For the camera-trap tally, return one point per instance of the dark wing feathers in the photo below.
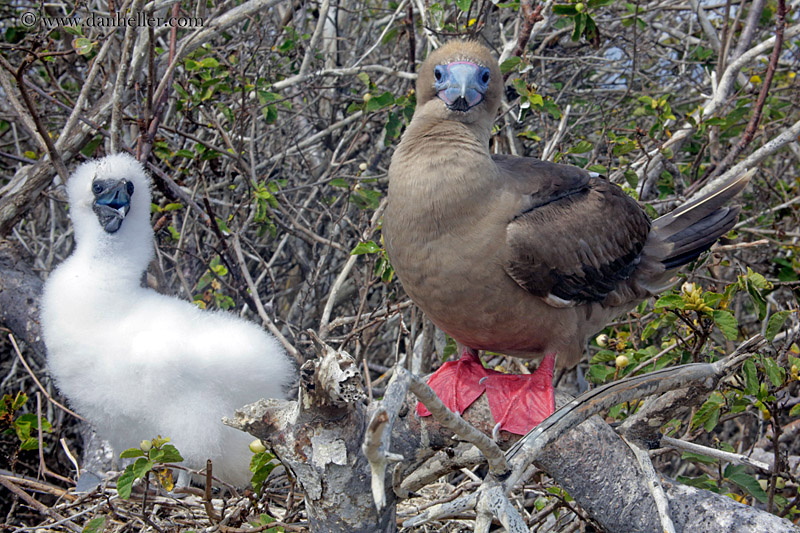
(577, 242)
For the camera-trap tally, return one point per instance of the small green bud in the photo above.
(145, 445)
(579, 7)
(257, 446)
(622, 361)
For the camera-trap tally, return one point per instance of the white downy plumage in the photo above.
(137, 363)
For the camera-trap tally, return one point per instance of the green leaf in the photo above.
(95, 525)
(775, 373)
(261, 465)
(166, 454)
(141, 467)
(552, 109)
(775, 324)
(125, 482)
(599, 373)
(339, 182)
(708, 414)
(364, 77)
(758, 280)
(379, 102)
(603, 356)
(510, 64)
(580, 148)
(726, 323)
(600, 169)
(565, 9)
(131, 452)
(700, 458)
(701, 482)
(751, 384)
(580, 24)
(393, 124)
(368, 247)
(209, 62)
(83, 45)
(464, 5)
(737, 475)
(795, 410)
(670, 301)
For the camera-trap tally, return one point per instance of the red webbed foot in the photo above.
(458, 383)
(520, 402)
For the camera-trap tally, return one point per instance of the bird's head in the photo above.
(461, 81)
(112, 201)
(110, 197)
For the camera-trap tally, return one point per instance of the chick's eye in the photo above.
(97, 188)
(437, 73)
(485, 76)
(129, 187)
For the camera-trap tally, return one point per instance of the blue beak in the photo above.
(112, 202)
(461, 85)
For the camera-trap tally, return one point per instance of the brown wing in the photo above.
(574, 244)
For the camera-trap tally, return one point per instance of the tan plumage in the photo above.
(517, 255)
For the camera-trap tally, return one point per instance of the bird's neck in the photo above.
(443, 170)
(117, 260)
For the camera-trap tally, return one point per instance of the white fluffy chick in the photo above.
(134, 362)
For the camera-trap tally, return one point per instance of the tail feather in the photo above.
(681, 236)
(691, 212)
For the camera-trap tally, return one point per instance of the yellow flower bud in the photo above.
(367, 97)
(145, 445)
(602, 340)
(257, 446)
(622, 361)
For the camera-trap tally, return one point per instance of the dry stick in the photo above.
(36, 380)
(324, 330)
(312, 45)
(656, 490)
(237, 247)
(385, 30)
(498, 465)
(719, 96)
(36, 504)
(122, 75)
(752, 125)
(627, 389)
(735, 458)
(87, 85)
(42, 465)
(5, 83)
(211, 29)
(529, 18)
(55, 156)
(769, 148)
(550, 148)
(149, 136)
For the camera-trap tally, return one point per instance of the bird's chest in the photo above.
(445, 246)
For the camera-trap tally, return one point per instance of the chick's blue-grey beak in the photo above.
(461, 85)
(112, 201)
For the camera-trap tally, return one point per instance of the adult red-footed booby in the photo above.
(517, 255)
(136, 363)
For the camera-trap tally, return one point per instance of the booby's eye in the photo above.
(129, 187)
(97, 188)
(485, 75)
(437, 73)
